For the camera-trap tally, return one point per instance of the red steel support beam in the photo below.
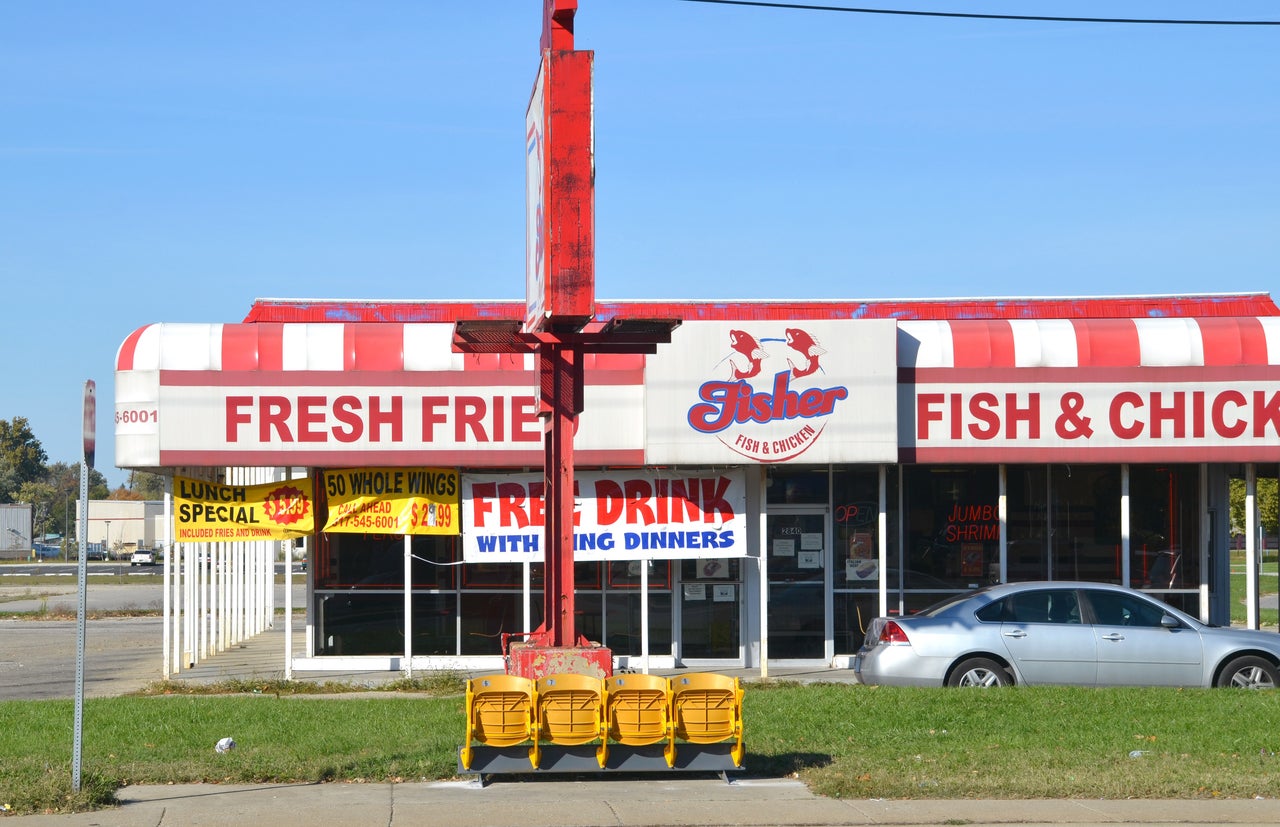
(562, 391)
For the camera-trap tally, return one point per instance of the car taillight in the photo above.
(892, 633)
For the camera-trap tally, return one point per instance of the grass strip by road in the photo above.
(846, 741)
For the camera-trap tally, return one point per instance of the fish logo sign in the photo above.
(761, 410)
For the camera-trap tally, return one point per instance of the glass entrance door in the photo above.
(797, 570)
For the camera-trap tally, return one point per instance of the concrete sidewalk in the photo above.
(614, 801)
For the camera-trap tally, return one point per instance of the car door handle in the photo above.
(1113, 636)
(1015, 633)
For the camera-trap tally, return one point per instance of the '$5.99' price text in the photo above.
(431, 515)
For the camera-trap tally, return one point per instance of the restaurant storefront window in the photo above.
(467, 609)
(1028, 522)
(1164, 532)
(855, 509)
(1085, 523)
(952, 531)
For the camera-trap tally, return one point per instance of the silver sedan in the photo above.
(1086, 634)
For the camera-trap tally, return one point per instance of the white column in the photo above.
(1251, 544)
(1125, 562)
(408, 605)
(1206, 538)
(166, 543)
(763, 548)
(644, 615)
(882, 546)
(1003, 507)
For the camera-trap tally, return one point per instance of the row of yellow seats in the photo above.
(636, 710)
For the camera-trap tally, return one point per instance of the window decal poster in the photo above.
(618, 515)
(392, 501)
(207, 512)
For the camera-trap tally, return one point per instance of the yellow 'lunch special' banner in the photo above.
(210, 512)
(392, 501)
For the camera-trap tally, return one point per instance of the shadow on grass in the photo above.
(783, 764)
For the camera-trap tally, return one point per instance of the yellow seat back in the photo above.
(706, 708)
(638, 709)
(570, 709)
(500, 710)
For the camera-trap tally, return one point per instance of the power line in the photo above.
(974, 16)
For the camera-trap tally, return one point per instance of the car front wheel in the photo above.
(980, 672)
(1249, 672)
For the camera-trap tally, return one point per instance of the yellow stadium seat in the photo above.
(707, 709)
(638, 711)
(570, 711)
(500, 713)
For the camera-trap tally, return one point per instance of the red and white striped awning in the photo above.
(320, 346)
(1204, 388)
(1085, 343)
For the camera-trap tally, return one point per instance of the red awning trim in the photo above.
(1089, 343)
(1102, 307)
(362, 347)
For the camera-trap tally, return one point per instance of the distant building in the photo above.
(15, 531)
(123, 526)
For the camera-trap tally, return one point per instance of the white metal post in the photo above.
(408, 605)
(1126, 578)
(1251, 544)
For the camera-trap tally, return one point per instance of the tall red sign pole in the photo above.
(559, 323)
(560, 282)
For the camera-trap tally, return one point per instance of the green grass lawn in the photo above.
(1267, 586)
(843, 740)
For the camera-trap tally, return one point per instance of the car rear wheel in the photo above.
(980, 672)
(1249, 672)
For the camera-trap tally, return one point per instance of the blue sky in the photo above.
(171, 162)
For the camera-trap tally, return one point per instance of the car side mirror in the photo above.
(1168, 621)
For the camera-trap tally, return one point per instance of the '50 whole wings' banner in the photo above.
(392, 501)
(210, 512)
(618, 515)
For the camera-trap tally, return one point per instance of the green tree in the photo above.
(22, 458)
(65, 480)
(1268, 503)
(147, 485)
(41, 495)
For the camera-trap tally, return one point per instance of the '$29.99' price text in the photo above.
(431, 515)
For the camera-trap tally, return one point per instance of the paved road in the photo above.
(38, 658)
(58, 569)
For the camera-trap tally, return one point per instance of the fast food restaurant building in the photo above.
(751, 494)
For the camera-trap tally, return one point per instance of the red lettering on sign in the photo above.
(926, 413)
(346, 411)
(984, 407)
(648, 501)
(514, 504)
(1220, 403)
(1121, 400)
(482, 419)
(1174, 412)
(1030, 415)
(310, 416)
(273, 414)
(1265, 411)
(236, 416)
(393, 416)
(314, 418)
